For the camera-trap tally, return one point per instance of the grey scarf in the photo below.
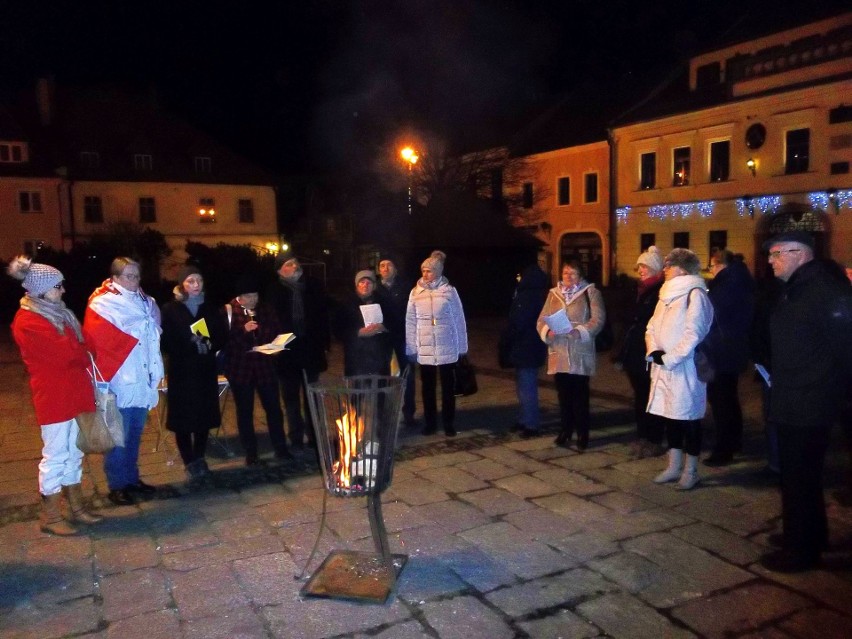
(297, 286)
(54, 312)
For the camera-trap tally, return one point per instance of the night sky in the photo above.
(300, 86)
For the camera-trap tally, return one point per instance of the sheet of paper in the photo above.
(559, 322)
(200, 327)
(372, 314)
(764, 374)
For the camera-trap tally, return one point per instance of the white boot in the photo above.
(672, 472)
(690, 473)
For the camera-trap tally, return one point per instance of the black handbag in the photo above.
(465, 378)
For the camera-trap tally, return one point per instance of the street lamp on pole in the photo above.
(410, 156)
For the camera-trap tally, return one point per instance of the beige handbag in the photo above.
(102, 429)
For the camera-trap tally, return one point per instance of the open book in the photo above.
(275, 346)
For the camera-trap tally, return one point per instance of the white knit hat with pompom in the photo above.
(36, 278)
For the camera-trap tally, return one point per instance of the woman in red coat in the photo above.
(51, 343)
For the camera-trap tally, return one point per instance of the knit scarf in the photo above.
(297, 286)
(54, 312)
(568, 292)
(647, 284)
(193, 303)
(434, 284)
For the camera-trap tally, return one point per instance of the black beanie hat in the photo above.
(186, 270)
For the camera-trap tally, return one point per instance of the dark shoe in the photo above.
(141, 488)
(776, 540)
(718, 459)
(582, 443)
(283, 454)
(562, 439)
(449, 431)
(529, 433)
(784, 561)
(121, 497)
(429, 430)
(409, 422)
(255, 461)
(517, 427)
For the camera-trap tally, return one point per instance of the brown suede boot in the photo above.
(51, 517)
(79, 514)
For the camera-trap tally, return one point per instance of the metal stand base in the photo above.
(359, 576)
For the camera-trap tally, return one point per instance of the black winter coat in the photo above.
(313, 337)
(362, 355)
(632, 355)
(733, 296)
(526, 349)
(396, 298)
(811, 347)
(192, 379)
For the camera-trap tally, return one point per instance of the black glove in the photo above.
(202, 344)
(657, 356)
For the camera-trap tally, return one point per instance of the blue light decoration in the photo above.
(839, 199)
(621, 214)
(685, 209)
(764, 203)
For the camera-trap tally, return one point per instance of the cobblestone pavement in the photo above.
(505, 537)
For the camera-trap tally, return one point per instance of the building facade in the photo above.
(761, 142)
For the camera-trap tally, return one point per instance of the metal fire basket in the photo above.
(356, 420)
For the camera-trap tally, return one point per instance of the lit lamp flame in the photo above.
(409, 155)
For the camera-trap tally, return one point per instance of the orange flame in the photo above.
(350, 431)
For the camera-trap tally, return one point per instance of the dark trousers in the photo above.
(192, 446)
(271, 402)
(723, 396)
(408, 397)
(648, 426)
(573, 393)
(683, 434)
(428, 379)
(293, 390)
(802, 502)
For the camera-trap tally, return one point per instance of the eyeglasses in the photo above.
(131, 276)
(60, 285)
(774, 255)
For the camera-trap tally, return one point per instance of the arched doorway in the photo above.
(792, 217)
(587, 249)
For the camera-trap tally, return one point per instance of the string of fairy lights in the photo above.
(746, 206)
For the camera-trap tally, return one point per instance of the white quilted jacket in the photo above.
(435, 328)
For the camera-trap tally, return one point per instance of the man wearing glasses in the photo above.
(811, 354)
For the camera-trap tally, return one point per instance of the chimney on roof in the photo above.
(44, 99)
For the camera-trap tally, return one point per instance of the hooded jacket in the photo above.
(435, 327)
(586, 311)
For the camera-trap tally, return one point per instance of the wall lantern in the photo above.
(752, 166)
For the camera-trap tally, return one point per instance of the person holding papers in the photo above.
(572, 316)
(193, 331)
(253, 324)
(360, 326)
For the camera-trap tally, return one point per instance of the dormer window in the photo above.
(12, 152)
(143, 162)
(90, 159)
(203, 164)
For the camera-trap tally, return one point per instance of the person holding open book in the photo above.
(572, 316)
(359, 324)
(193, 330)
(248, 371)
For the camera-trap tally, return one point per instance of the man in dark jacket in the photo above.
(300, 303)
(396, 290)
(732, 294)
(811, 352)
(526, 352)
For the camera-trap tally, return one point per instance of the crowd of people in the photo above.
(680, 324)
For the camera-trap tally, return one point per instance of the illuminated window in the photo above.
(563, 188)
(206, 210)
(93, 210)
(147, 210)
(30, 201)
(681, 158)
(720, 161)
(143, 162)
(245, 210)
(648, 171)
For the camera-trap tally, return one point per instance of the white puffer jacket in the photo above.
(435, 328)
(680, 321)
